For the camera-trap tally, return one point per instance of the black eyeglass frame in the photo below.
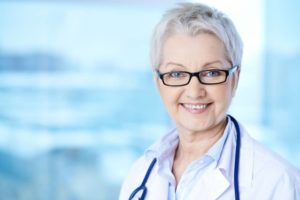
(227, 72)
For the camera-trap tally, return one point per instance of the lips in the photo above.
(195, 108)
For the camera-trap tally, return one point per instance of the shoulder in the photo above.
(266, 159)
(269, 170)
(134, 177)
(263, 156)
(141, 166)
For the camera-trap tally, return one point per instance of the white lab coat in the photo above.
(263, 175)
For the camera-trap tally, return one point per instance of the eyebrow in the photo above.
(173, 63)
(205, 66)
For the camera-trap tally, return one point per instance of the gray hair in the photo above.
(193, 19)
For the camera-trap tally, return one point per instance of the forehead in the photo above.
(193, 50)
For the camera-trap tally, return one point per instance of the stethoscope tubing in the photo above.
(143, 187)
(237, 158)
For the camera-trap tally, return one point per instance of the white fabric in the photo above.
(263, 175)
(164, 151)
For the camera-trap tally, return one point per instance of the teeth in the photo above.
(195, 107)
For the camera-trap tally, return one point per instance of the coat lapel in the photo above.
(158, 188)
(211, 186)
(216, 181)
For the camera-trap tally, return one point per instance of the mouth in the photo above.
(195, 108)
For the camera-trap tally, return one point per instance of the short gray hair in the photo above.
(193, 19)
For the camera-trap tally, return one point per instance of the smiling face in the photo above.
(196, 107)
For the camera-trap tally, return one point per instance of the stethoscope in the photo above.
(142, 188)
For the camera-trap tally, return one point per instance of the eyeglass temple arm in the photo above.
(233, 69)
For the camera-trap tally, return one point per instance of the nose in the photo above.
(195, 89)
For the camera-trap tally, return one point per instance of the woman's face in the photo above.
(196, 107)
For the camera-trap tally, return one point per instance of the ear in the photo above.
(236, 78)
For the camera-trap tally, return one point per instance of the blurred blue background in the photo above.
(78, 104)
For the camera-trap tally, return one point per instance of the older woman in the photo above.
(196, 55)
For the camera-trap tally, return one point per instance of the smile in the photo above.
(195, 108)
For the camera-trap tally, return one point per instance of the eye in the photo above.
(176, 74)
(212, 73)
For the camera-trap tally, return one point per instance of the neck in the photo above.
(193, 145)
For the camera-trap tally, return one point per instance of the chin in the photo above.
(194, 126)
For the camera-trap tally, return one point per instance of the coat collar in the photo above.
(219, 179)
(227, 160)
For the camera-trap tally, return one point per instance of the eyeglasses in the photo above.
(206, 77)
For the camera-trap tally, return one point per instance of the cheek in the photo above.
(222, 97)
(169, 96)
